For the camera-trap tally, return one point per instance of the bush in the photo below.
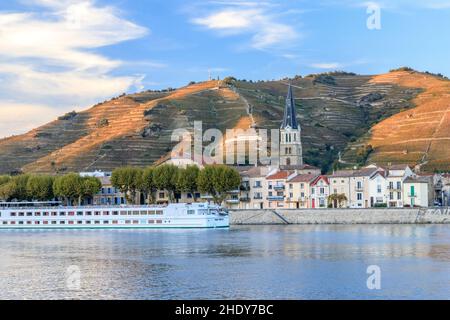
(68, 116)
(103, 123)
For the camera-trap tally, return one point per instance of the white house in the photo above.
(418, 191)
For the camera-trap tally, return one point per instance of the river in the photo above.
(247, 262)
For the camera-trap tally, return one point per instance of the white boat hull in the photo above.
(178, 216)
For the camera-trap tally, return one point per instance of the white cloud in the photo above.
(249, 18)
(48, 58)
(327, 65)
(17, 118)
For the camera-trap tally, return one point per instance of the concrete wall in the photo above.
(339, 216)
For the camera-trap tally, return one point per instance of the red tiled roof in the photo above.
(279, 175)
(316, 180)
(303, 178)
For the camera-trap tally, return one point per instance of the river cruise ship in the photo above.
(51, 215)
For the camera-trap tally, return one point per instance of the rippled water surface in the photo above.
(258, 262)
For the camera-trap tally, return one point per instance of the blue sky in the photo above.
(60, 55)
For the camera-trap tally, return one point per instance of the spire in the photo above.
(289, 118)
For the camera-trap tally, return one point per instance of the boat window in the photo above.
(53, 222)
(71, 222)
(88, 222)
(20, 222)
(37, 222)
(62, 213)
(159, 221)
(114, 222)
(144, 213)
(130, 213)
(106, 213)
(191, 212)
(115, 213)
(13, 214)
(97, 222)
(45, 222)
(159, 212)
(106, 222)
(123, 213)
(88, 213)
(136, 213)
(80, 222)
(29, 214)
(203, 211)
(21, 214)
(54, 214)
(79, 213)
(45, 214)
(97, 213)
(151, 212)
(71, 213)
(28, 222)
(151, 221)
(5, 222)
(135, 222)
(62, 222)
(37, 214)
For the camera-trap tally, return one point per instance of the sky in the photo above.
(62, 55)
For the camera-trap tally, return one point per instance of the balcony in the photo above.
(278, 187)
(245, 187)
(394, 188)
(234, 191)
(232, 201)
(257, 186)
(245, 199)
(359, 189)
(257, 197)
(275, 198)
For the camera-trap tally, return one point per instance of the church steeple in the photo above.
(290, 116)
(291, 153)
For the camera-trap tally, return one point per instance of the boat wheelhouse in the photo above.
(22, 215)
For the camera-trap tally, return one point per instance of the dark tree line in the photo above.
(216, 180)
(70, 188)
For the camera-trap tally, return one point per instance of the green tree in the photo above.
(68, 187)
(148, 184)
(165, 178)
(19, 187)
(91, 186)
(217, 180)
(187, 179)
(7, 191)
(4, 179)
(128, 180)
(336, 200)
(40, 187)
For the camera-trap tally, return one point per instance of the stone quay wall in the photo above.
(340, 216)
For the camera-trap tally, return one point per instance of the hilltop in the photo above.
(401, 116)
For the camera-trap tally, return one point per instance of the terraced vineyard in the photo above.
(407, 110)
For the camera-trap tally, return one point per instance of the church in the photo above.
(291, 154)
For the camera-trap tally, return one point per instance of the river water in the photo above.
(248, 262)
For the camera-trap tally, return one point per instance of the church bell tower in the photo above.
(290, 135)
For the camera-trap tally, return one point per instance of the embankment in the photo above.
(340, 216)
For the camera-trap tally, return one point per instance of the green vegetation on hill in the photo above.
(336, 110)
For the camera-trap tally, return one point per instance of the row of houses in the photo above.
(372, 186)
(305, 188)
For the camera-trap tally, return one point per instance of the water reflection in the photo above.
(269, 262)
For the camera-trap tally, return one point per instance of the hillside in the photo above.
(418, 136)
(336, 112)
